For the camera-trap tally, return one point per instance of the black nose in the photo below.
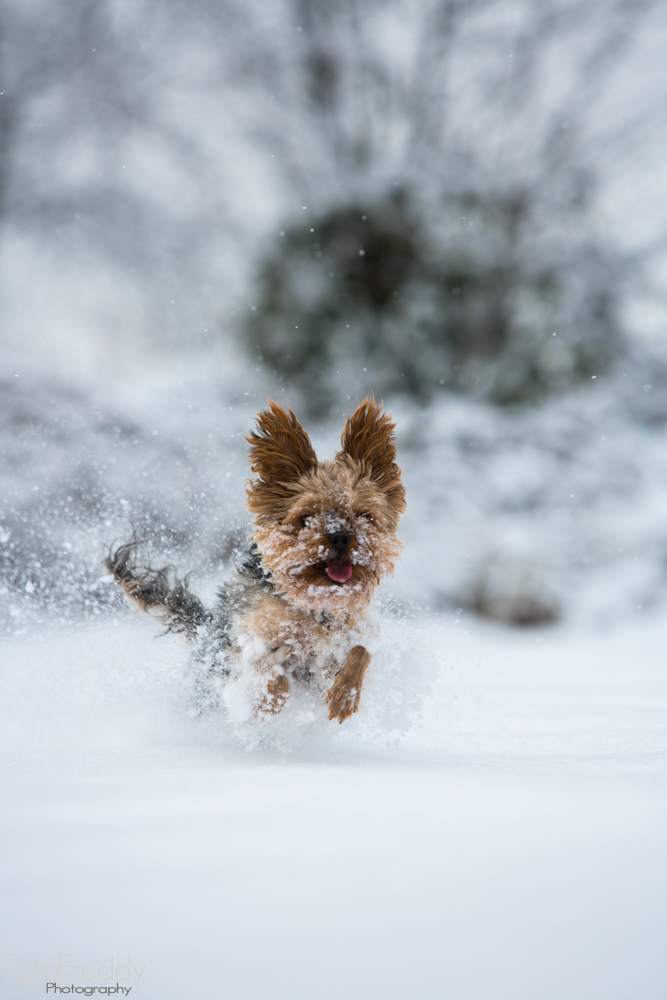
(340, 541)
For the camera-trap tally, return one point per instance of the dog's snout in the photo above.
(340, 541)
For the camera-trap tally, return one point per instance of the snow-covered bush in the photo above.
(471, 292)
(444, 227)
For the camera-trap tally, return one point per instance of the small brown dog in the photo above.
(324, 536)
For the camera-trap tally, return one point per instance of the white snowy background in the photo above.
(493, 823)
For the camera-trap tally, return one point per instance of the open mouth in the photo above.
(338, 571)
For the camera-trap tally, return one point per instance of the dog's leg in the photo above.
(345, 693)
(274, 696)
(272, 685)
(151, 591)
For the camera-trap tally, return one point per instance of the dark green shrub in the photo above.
(470, 293)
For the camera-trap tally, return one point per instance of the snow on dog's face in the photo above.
(326, 531)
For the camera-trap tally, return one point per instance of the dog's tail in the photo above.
(150, 590)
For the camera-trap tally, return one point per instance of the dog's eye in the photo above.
(305, 518)
(366, 516)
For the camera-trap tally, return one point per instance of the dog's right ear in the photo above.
(280, 453)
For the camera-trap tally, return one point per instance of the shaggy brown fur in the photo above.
(325, 536)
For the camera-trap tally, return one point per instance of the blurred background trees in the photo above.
(404, 197)
(451, 237)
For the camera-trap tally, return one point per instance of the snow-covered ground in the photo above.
(492, 824)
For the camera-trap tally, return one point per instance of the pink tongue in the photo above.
(339, 571)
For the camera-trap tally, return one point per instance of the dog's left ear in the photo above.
(279, 455)
(369, 440)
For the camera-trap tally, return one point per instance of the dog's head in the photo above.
(326, 531)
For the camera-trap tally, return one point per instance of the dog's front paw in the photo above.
(344, 695)
(277, 690)
(343, 701)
